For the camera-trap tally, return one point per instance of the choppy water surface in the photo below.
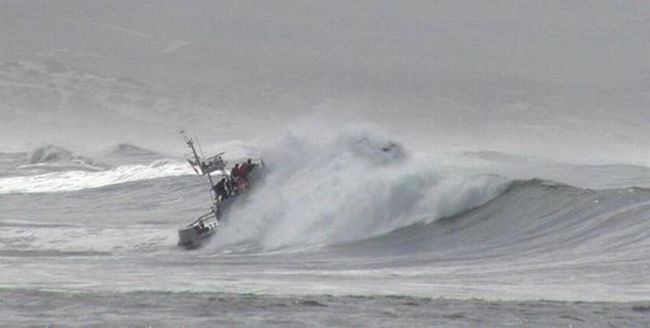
(341, 232)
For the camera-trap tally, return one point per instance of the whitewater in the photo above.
(348, 223)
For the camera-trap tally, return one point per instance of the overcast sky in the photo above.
(418, 65)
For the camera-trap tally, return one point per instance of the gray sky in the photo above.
(545, 76)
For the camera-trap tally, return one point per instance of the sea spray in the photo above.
(342, 185)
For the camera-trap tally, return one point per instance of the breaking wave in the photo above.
(50, 154)
(352, 185)
(52, 158)
(535, 231)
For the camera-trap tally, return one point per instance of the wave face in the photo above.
(535, 220)
(350, 185)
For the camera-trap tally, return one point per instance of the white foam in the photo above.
(77, 180)
(328, 187)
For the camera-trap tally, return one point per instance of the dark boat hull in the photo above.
(193, 235)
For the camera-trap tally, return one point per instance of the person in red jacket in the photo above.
(243, 169)
(235, 171)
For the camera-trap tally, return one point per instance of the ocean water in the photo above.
(349, 228)
(429, 163)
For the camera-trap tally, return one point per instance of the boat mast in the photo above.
(199, 162)
(190, 143)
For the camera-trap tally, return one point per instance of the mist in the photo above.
(563, 80)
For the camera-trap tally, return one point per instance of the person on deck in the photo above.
(249, 166)
(220, 189)
(243, 170)
(240, 170)
(230, 186)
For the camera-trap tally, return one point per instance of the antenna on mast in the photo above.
(196, 161)
(205, 166)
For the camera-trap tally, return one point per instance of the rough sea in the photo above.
(427, 163)
(340, 233)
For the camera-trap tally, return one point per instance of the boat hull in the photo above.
(193, 235)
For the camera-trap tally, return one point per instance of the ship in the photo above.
(227, 185)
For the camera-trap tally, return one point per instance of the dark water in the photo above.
(162, 309)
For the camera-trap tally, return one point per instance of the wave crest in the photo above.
(349, 185)
(50, 154)
(52, 158)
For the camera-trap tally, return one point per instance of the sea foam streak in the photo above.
(77, 180)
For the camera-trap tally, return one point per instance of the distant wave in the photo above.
(50, 154)
(125, 153)
(53, 158)
(77, 179)
(595, 176)
(56, 155)
(132, 150)
(48, 158)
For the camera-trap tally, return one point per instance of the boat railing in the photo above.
(203, 218)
